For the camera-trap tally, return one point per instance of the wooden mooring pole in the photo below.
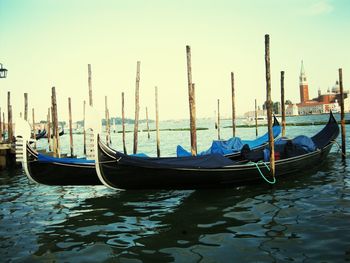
(54, 146)
(233, 105)
(342, 115)
(123, 124)
(26, 106)
(192, 103)
(55, 124)
(107, 122)
(34, 130)
(283, 108)
(1, 131)
(84, 127)
(148, 135)
(49, 129)
(10, 125)
(70, 127)
(90, 85)
(269, 105)
(157, 122)
(137, 107)
(218, 119)
(256, 119)
(109, 128)
(3, 124)
(9, 118)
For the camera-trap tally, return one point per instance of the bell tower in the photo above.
(303, 85)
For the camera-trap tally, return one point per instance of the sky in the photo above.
(46, 43)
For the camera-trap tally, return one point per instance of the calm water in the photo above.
(305, 217)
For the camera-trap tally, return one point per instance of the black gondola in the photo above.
(49, 170)
(59, 134)
(120, 171)
(44, 169)
(40, 134)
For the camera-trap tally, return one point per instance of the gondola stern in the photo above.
(99, 153)
(23, 134)
(275, 121)
(331, 117)
(94, 129)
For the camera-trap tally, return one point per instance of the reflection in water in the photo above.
(305, 217)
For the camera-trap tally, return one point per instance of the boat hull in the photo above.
(63, 174)
(135, 177)
(56, 173)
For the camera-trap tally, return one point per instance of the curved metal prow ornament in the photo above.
(23, 136)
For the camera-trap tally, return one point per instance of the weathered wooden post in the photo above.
(55, 123)
(70, 127)
(283, 106)
(10, 125)
(157, 122)
(218, 119)
(233, 105)
(49, 129)
(109, 128)
(26, 106)
(192, 103)
(269, 105)
(107, 122)
(3, 123)
(34, 130)
(90, 85)
(84, 133)
(342, 115)
(147, 125)
(9, 118)
(123, 124)
(256, 119)
(0, 127)
(137, 106)
(54, 146)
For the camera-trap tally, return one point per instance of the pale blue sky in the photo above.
(45, 43)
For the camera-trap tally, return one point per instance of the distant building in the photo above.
(347, 104)
(322, 104)
(250, 114)
(303, 85)
(292, 110)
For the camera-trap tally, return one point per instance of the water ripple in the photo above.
(302, 218)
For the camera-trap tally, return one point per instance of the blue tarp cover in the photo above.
(302, 142)
(232, 145)
(49, 159)
(197, 162)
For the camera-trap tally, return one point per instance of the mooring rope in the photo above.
(339, 147)
(262, 175)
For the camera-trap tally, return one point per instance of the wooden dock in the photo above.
(7, 155)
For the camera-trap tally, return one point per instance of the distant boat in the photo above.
(60, 134)
(40, 134)
(250, 121)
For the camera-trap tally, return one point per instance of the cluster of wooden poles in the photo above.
(191, 92)
(52, 112)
